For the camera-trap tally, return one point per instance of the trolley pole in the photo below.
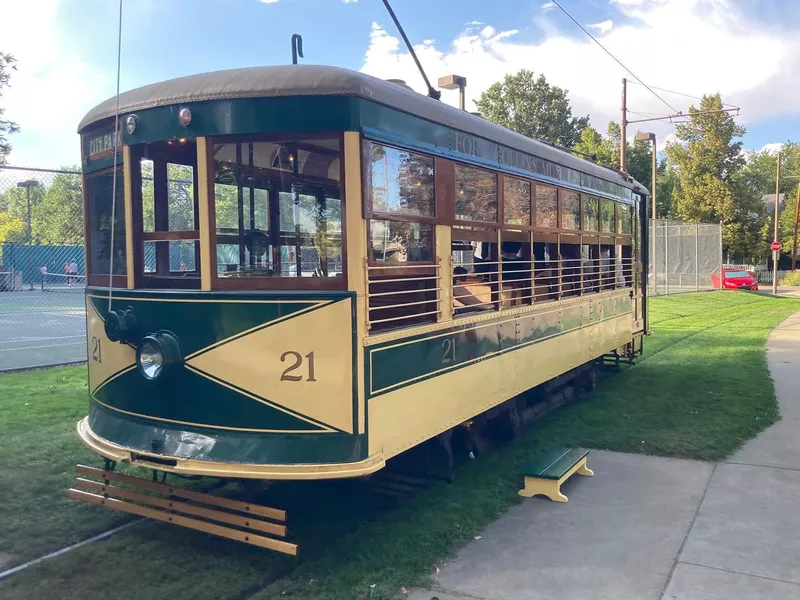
(777, 209)
(796, 219)
(623, 158)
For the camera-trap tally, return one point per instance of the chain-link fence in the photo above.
(42, 273)
(685, 257)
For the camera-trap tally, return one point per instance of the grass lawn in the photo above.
(701, 389)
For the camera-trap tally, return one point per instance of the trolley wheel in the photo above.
(506, 426)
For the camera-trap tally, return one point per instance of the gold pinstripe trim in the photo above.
(200, 425)
(213, 301)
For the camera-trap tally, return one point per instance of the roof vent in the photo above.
(401, 83)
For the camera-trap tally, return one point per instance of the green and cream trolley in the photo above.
(313, 270)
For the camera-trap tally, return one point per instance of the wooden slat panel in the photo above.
(226, 532)
(245, 507)
(183, 507)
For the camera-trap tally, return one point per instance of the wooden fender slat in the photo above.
(245, 507)
(226, 532)
(182, 507)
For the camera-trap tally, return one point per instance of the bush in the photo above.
(791, 278)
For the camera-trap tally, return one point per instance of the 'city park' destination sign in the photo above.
(102, 143)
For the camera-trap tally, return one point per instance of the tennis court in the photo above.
(43, 326)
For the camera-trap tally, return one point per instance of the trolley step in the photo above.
(233, 519)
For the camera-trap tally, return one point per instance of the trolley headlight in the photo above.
(121, 326)
(158, 353)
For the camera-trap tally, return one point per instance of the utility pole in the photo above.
(796, 219)
(777, 209)
(623, 129)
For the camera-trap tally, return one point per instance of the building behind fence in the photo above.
(42, 312)
(685, 258)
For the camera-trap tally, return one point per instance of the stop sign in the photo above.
(776, 246)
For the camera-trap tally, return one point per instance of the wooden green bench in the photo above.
(546, 475)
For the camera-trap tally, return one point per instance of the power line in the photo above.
(619, 62)
(682, 94)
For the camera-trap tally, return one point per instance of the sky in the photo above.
(748, 50)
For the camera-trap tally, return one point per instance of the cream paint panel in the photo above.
(113, 356)
(356, 236)
(203, 213)
(401, 419)
(254, 363)
(128, 190)
(444, 254)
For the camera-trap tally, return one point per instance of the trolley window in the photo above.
(476, 194)
(278, 209)
(570, 210)
(166, 185)
(607, 216)
(516, 201)
(591, 213)
(546, 207)
(399, 182)
(99, 193)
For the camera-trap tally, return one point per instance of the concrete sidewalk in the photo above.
(656, 528)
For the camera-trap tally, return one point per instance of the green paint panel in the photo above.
(186, 396)
(390, 365)
(296, 114)
(226, 446)
(555, 464)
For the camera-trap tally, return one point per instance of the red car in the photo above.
(735, 279)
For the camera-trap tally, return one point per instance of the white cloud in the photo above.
(271, 1)
(692, 46)
(548, 6)
(475, 23)
(348, 1)
(627, 2)
(772, 148)
(51, 89)
(603, 27)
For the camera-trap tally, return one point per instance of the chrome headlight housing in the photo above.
(158, 353)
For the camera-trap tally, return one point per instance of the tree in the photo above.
(58, 216)
(666, 181)
(6, 127)
(757, 178)
(11, 229)
(593, 143)
(531, 106)
(708, 159)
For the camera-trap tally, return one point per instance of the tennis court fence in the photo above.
(42, 271)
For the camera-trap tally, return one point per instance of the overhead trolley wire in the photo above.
(682, 94)
(618, 61)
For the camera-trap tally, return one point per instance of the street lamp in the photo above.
(644, 137)
(453, 82)
(28, 184)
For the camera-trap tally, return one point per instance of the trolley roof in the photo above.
(322, 80)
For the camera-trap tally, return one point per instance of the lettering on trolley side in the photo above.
(297, 364)
(449, 349)
(97, 351)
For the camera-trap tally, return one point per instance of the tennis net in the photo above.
(58, 282)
